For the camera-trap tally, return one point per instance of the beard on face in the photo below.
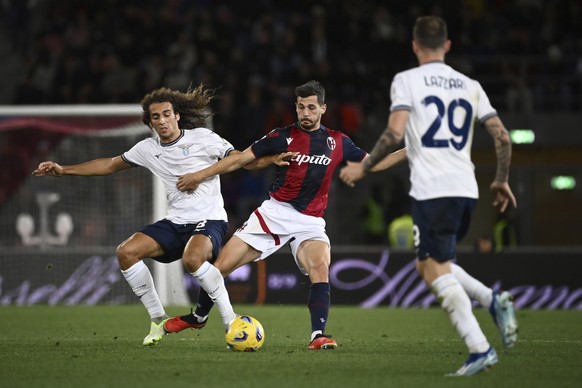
(307, 124)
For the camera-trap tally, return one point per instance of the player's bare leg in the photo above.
(130, 254)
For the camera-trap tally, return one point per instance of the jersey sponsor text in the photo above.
(312, 159)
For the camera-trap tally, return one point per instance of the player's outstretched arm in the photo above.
(97, 167)
(49, 168)
(353, 172)
(234, 161)
(380, 158)
(390, 138)
(281, 159)
(390, 160)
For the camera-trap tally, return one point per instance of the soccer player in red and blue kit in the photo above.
(292, 215)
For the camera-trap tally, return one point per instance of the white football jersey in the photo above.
(194, 150)
(444, 106)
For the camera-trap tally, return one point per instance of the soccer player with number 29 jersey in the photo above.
(435, 108)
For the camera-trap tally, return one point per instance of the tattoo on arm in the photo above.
(383, 146)
(502, 148)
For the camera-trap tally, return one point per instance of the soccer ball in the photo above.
(245, 334)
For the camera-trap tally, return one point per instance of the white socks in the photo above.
(315, 333)
(142, 284)
(473, 287)
(457, 304)
(212, 281)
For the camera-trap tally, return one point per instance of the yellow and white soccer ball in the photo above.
(245, 334)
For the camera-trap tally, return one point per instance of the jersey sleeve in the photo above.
(352, 152)
(272, 143)
(400, 94)
(218, 146)
(136, 155)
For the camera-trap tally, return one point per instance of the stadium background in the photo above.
(527, 54)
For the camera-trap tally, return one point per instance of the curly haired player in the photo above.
(196, 222)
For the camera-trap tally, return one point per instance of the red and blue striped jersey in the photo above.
(304, 184)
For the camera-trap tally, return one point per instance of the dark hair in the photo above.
(192, 105)
(311, 88)
(430, 31)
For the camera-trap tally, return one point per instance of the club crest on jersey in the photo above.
(186, 148)
(331, 143)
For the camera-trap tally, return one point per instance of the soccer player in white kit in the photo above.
(196, 222)
(434, 108)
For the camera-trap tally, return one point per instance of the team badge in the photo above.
(186, 148)
(331, 143)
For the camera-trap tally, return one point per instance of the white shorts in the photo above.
(275, 224)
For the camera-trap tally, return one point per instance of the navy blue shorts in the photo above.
(174, 237)
(439, 224)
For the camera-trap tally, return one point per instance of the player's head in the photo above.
(191, 108)
(311, 88)
(430, 33)
(310, 104)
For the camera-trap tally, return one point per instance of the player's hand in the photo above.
(284, 158)
(502, 195)
(352, 173)
(188, 182)
(48, 168)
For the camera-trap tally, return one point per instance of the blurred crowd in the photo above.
(526, 53)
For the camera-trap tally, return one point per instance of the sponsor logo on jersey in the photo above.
(312, 159)
(186, 148)
(289, 140)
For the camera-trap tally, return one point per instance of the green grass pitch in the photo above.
(101, 346)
